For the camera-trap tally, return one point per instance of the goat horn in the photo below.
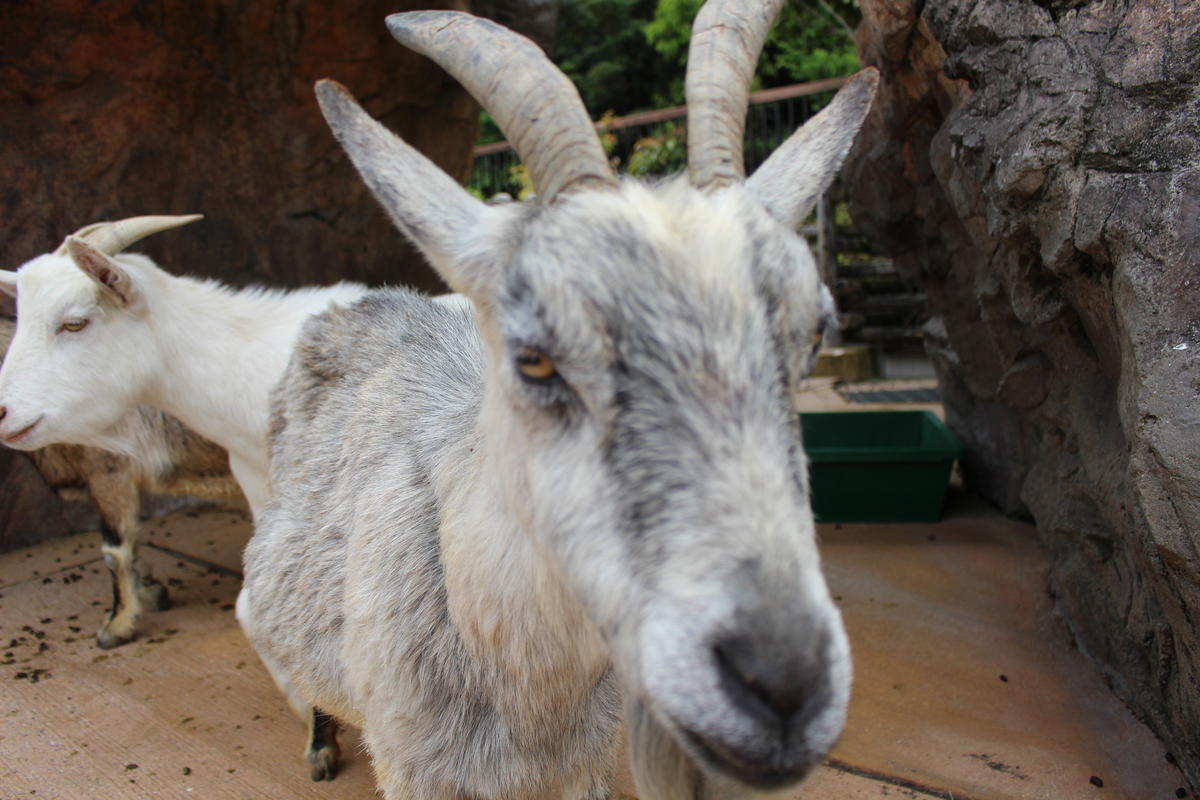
(111, 238)
(727, 37)
(534, 103)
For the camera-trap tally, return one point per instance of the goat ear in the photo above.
(112, 277)
(801, 169)
(449, 225)
(8, 282)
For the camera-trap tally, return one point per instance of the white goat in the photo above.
(100, 332)
(170, 459)
(591, 486)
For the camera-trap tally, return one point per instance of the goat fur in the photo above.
(169, 459)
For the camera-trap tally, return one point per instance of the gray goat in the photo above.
(492, 526)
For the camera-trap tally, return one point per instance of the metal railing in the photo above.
(773, 115)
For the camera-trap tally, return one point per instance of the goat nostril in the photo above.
(762, 685)
(3, 412)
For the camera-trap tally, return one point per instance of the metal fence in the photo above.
(773, 115)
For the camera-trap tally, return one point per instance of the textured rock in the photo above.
(115, 109)
(1036, 165)
(30, 511)
(122, 108)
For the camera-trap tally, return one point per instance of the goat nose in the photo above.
(3, 412)
(775, 680)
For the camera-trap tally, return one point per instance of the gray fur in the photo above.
(399, 431)
(678, 390)
(471, 555)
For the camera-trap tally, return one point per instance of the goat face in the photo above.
(81, 352)
(646, 347)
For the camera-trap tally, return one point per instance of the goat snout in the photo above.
(777, 682)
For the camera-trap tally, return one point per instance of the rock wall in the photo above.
(131, 107)
(1036, 165)
(30, 510)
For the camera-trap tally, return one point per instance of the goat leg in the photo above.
(118, 499)
(323, 749)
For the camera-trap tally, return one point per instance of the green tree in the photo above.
(811, 40)
(629, 55)
(602, 48)
(663, 152)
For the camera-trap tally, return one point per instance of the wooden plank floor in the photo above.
(966, 686)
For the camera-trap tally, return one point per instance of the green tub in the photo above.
(878, 466)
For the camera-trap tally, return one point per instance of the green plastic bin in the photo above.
(878, 466)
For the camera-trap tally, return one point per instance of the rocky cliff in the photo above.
(132, 107)
(1036, 165)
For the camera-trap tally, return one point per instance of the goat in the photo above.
(100, 332)
(586, 488)
(170, 459)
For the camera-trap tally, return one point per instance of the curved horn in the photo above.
(111, 238)
(535, 105)
(727, 37)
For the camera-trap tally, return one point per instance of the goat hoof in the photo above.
(107, 640)
(155, 596)
(323, 763)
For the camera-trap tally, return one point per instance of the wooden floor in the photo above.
(965, 686)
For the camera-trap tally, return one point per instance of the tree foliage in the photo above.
(811, 40)
(662, 153)
(630, 55)
(627, 55)
(601, 46)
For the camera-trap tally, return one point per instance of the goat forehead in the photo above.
(669, 231)
(662, 270)
(53, 284)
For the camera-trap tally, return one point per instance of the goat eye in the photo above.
(73, 325)
(535, 365)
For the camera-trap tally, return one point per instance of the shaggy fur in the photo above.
(491, 523)
(478, 550)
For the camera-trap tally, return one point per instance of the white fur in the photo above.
(197, 350)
